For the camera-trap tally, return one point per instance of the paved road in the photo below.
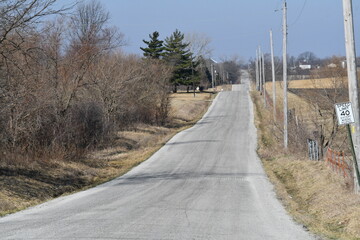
(206, 183)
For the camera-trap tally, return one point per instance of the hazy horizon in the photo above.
(236, 27)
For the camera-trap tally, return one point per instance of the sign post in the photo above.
(345, 116)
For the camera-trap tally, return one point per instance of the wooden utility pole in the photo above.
(212, 76)
(273, 74)
(260, 72)
(257, 70)
(352, 77)
(285, 76)
(263, 75)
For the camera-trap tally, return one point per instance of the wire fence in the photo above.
(313, 150)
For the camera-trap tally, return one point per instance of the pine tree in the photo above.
(177, 55)
(155, 46)
(192, 79)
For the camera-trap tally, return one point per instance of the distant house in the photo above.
(332, 65)
(304, 66)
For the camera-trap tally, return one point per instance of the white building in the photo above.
(305, 66)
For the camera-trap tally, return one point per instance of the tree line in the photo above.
(189, 58)
(175, 52)
(65, 84)
(306, 65)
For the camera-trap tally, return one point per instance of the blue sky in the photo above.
(237, 27)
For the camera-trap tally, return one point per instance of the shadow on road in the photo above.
(143, 178)
(195, 141)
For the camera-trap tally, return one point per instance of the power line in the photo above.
(278, 5)
(299, 15)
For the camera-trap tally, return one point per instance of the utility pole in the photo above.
(263, 75)
(192, 75)
(257, 70)
(352, 82)
(285, 76)
(212, 75)
(273, 74)
(260, 71)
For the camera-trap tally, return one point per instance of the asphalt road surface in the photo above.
(205, 183)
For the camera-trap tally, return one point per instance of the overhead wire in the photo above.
(300, 14)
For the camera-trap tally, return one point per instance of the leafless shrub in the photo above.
(87, 126)
(62, 92)
(298, 131)
(320, 121)
(133, 90)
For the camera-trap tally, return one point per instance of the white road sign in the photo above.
(344, 113)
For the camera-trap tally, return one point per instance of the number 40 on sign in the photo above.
(344, 113)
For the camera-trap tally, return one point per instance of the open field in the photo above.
(313, 83)
(34, 182)
(320, 96)
(314, 195)
(312, 107)
(294, 101)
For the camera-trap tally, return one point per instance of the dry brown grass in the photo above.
(304, 108)
(35, 182)
(294, 101)
(312, 83)
(186, 107)
(316, 196)
(312, 193)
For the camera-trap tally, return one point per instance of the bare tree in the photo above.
(63, 89)
(19, 16)
(321, 123)
(308, 58)
(89, 22)
(334, 92)
(230, 69)
(199, 44)
(90, 38)
(132, 89)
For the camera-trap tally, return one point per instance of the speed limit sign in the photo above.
(344, 113)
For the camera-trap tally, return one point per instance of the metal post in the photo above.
(314, 150)
(273, 74)
(351, 69)
(285, 76)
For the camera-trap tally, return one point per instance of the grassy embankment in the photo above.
(27, 184)
(311, 192)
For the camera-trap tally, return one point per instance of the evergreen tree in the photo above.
(155, 46)
(177, 55)
(194, 79)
